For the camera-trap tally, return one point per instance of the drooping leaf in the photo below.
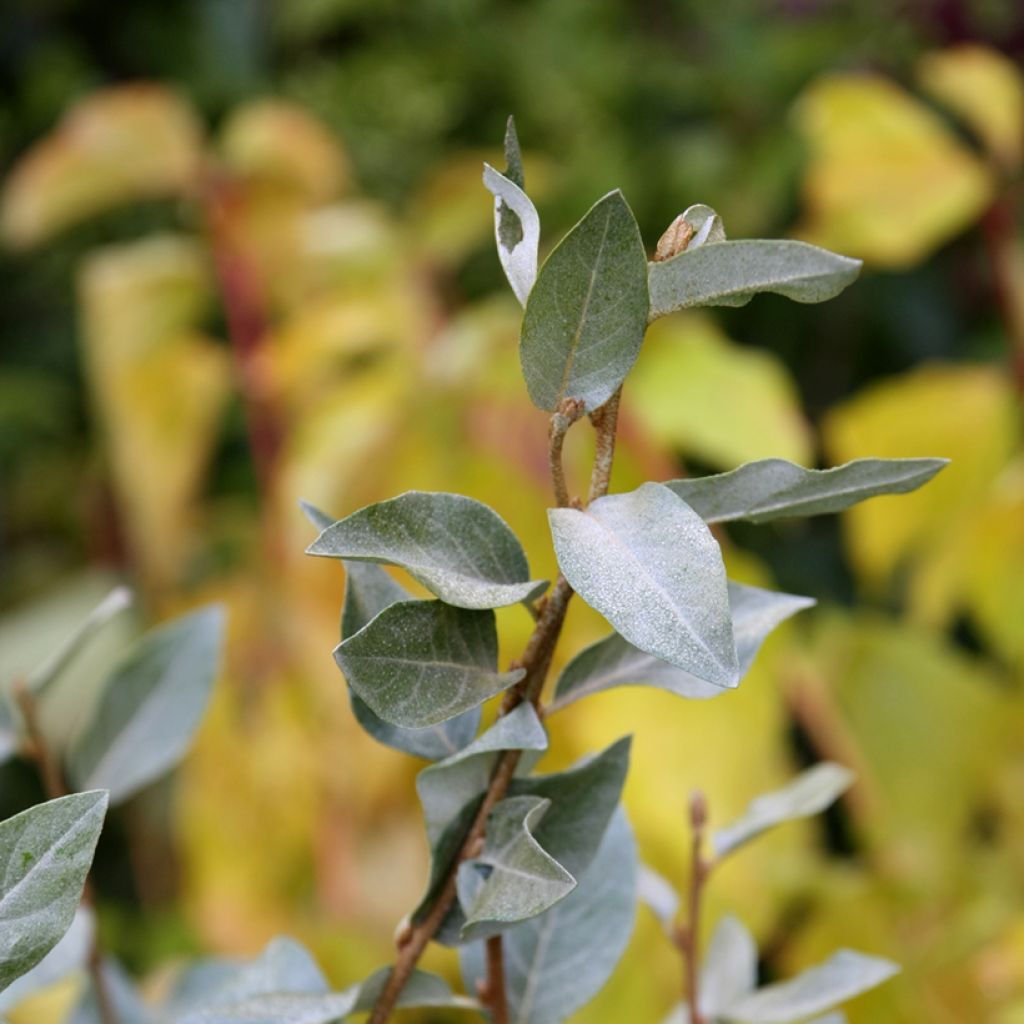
(587, 312)
(729, 971)
(446, 787)
(522, 879)
(45, 854)
(844, 975)
(459, 549)
(422, 662)
(774, 488)
(150, 707)
(648, 563)
(516, 232)
(732, 273)
(123, 996)
(808, 794)
(557, 962)
(614, 661)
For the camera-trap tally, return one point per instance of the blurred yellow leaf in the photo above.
(986, 89)
(116, 146)
(695, 390)
(285, 143)
(887, 181)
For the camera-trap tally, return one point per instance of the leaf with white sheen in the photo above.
(446, 787)
(729, 971)
(774, 488)
(844, 975)
(523, 880)
(808, 794)
(614, 661)
(557, 962)
(459, 549)
(649, 564)
(421, 662)
(732, 273)
(657, 893)
(587, 312)
(45, 855)
(516, 231)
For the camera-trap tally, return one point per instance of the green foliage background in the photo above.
(384, 359)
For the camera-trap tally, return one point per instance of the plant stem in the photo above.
(55, 786)
(605, 421)
(567, 414)
(688, 935)
(494, 988)
(999, 230)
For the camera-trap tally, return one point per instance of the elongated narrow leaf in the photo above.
(513, 155)
(557, 962)
(648, 563)
(522, 879)
(150, 707)
(614, 661)
(732, 273)
(421, 662)
(459, 549)
(446, 787)
(66, 957)
(45, 854)
(844, 975)
(729, 971)
(774, 488)
(587, 312)
(516, 231)
(808, 794)
(368, 591)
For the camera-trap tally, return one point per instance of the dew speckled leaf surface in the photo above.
(732, 273)
(150, 707)
(458, 548)
(557, 962)
(648, 563)
(808, 794)
(775, 488)
(418, 663)
(587, 312)
(614, 661)
(45, 854)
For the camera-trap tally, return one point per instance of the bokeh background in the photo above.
(246, 258)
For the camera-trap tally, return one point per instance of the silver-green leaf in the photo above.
(418, 663)
(45, 855)
(587, 312)
(614, 661)
(516, 231)
(557, 962)
(729, 971)
(732, 273)
(808, 794)
(774, 488)
(649, 564)
(150, 707)
(459, 549)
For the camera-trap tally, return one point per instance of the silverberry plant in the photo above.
(534, 877)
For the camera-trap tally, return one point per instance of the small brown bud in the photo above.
(698, 810)
(674, 241)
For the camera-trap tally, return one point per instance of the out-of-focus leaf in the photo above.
(557, 962)
(887, 180)
(732, 273)
(587, 312)
(774, 488)
(150, 707)
(422, 662)
(459, 549)
(616, 662)
(516, 232)
(811, 792)
(648, 563)
(729, 971)
(659, 894)
(116, 146)
(522, 879)
(844, 975)
(282, 142)
(986, 89)
(123, 995)
(676, 391)
(45, 854)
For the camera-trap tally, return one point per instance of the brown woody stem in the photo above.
(494, 988)
(688, 934)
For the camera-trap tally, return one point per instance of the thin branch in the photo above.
(999, 230)
(567, 414)
(605, 421)
(493, 995)
(688, 934)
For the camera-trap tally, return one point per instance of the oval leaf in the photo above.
(732, 273)
(587, 312)
(150, 707)
(774, 488)
(648, 563)
(459, 549)
(421, 662)
(45, 855)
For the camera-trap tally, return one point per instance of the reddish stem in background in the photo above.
(999, 229)
(687, 933)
